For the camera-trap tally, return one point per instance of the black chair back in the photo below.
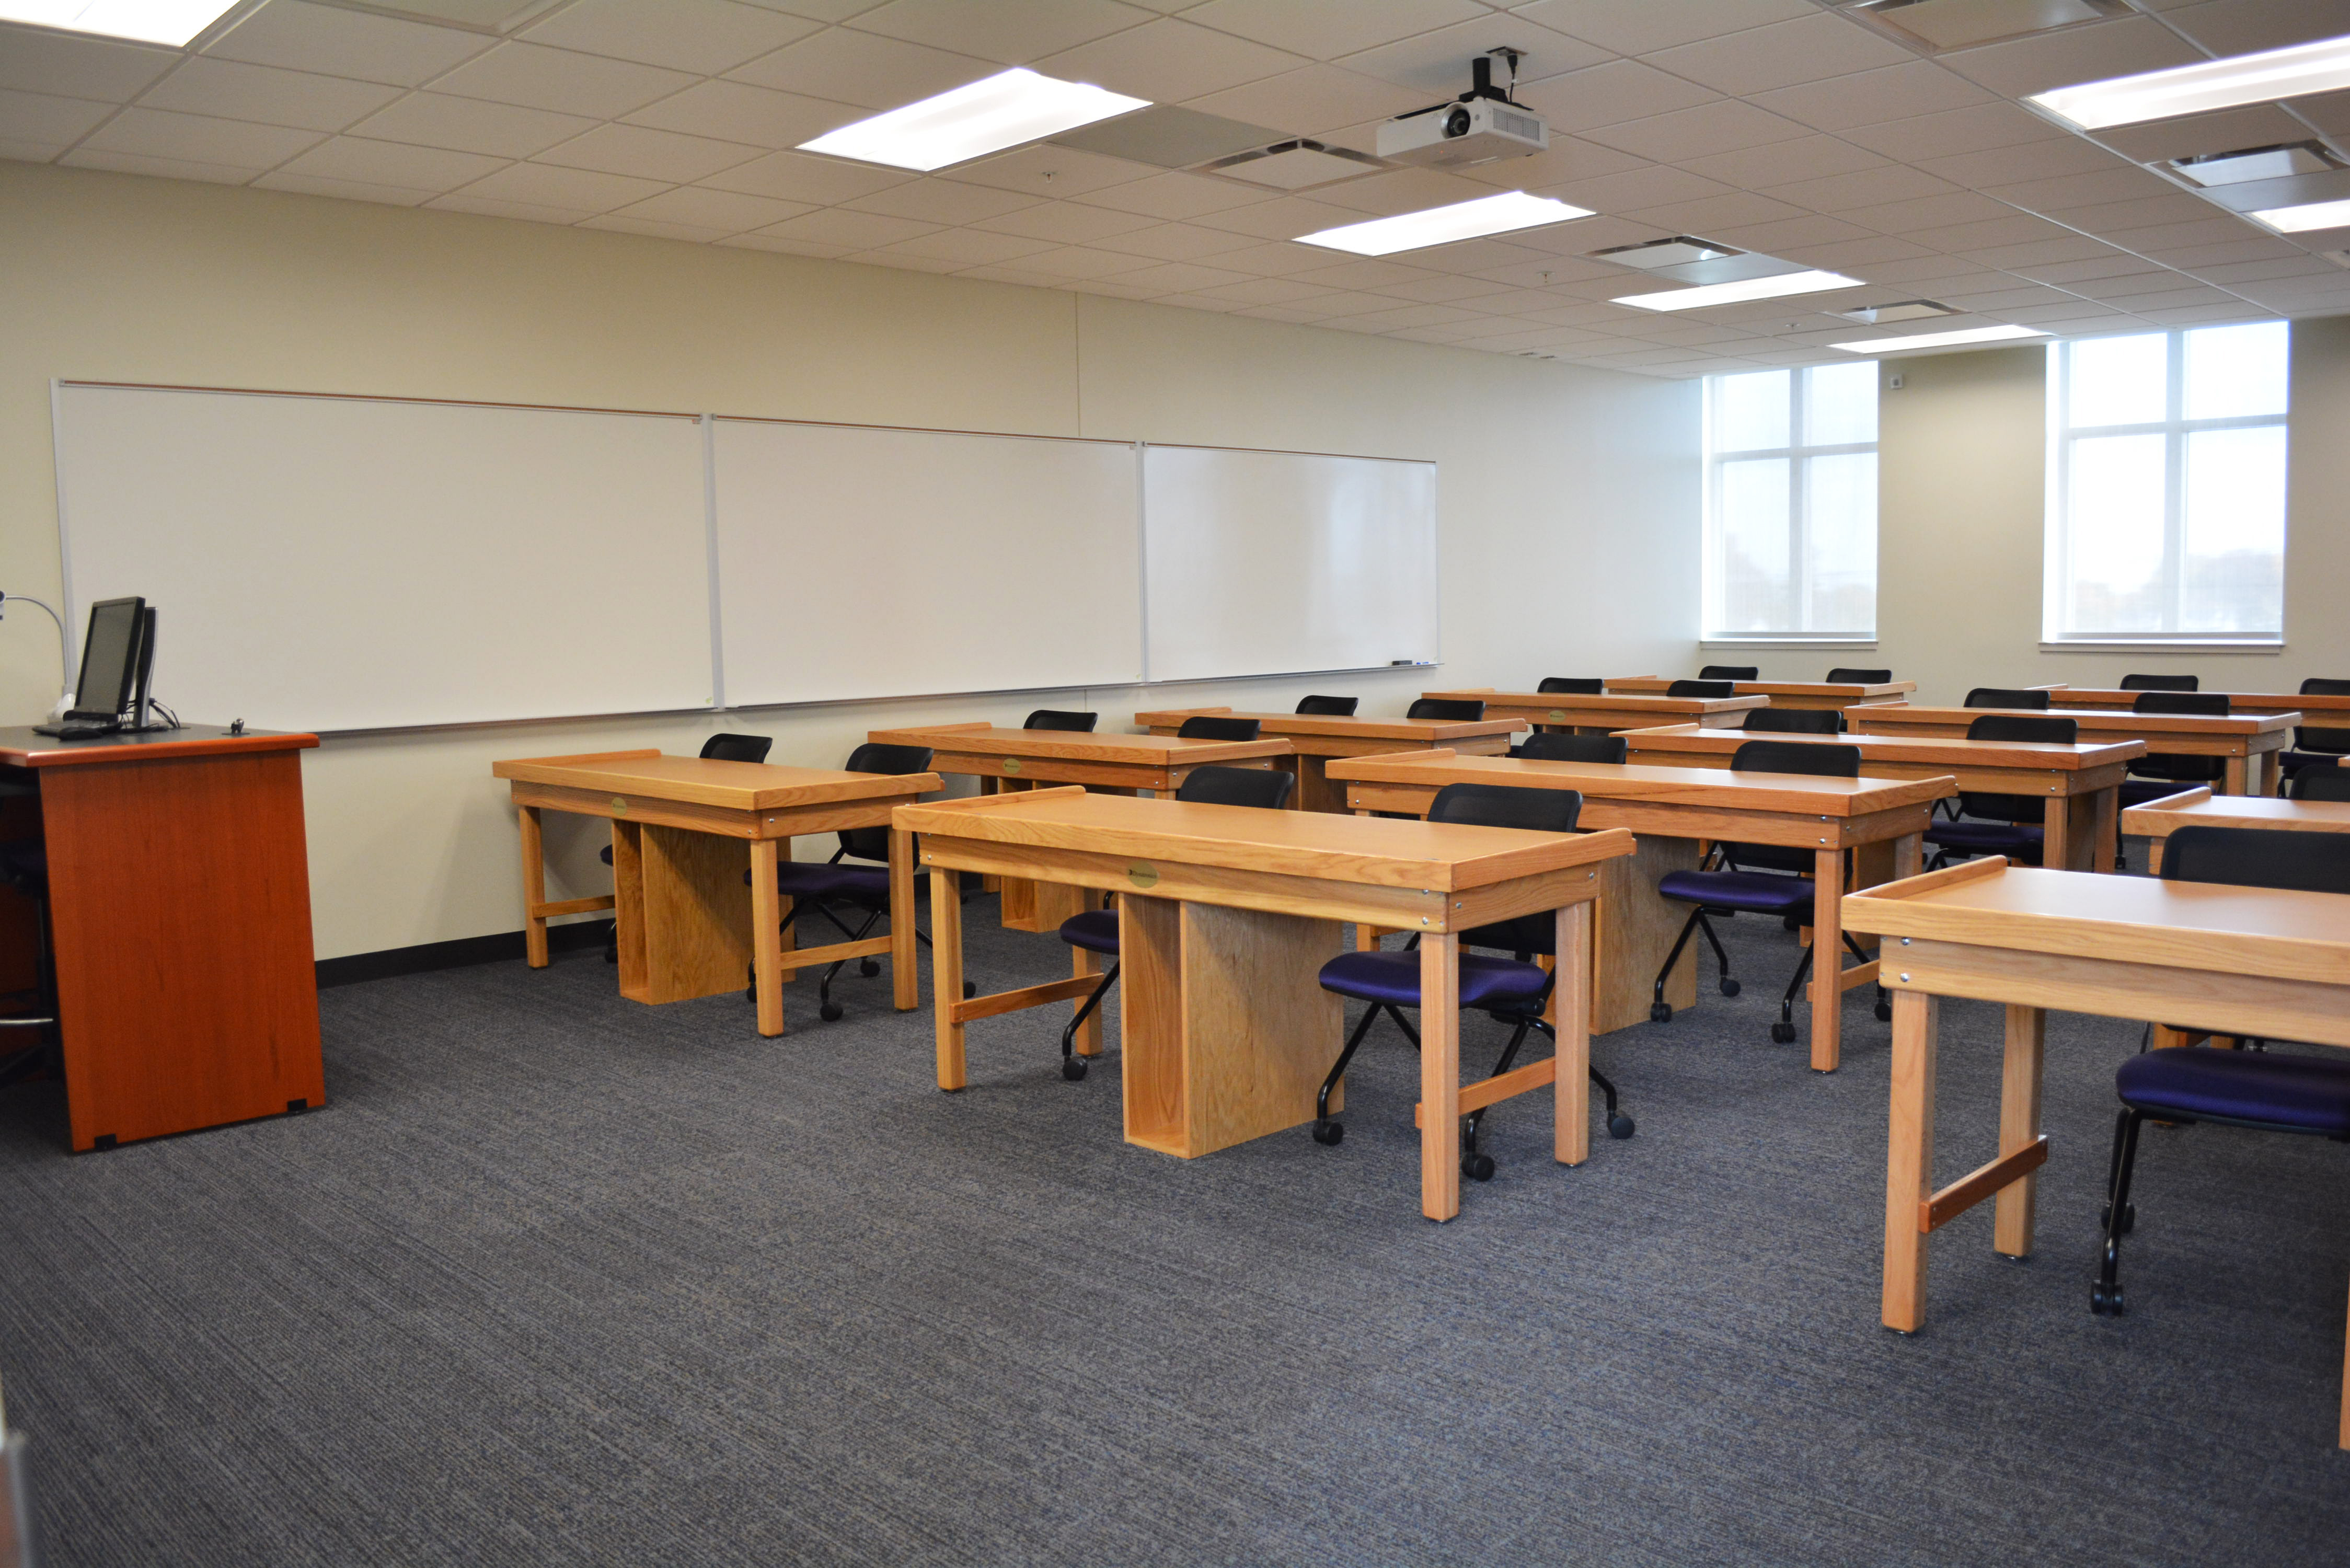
(1699, 689)
(1846, 675)
(2319, 686)
(2005, 697)
(2321, 784)
(1058, 719)
(2161, 682)
(1329, 707)
(2320, 737)
(2259, 857)
(1507, 805)
(1580, 685)
(1795, 720)
(1730, 672)
(1795, 757)
(1215, 727)
(1452, 710)
(1267, 787)
(2020, 727)
(1549, 746)
(740, 748)
(873, 757)
(2168, 700)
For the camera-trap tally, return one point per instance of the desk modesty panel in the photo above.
(1317, 737)
(1608, 714)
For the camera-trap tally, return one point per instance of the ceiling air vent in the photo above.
(2255, 164)
(1298, 165)
(1679, 251)
(1885, 314)
(1962, 23)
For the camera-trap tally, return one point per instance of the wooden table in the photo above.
(178, 915)
(1226, 914)
(1605, 715)
(2198, 807)
(2245, 741)
(1317, 737)
(2222, 960)
(1016, 760)
(686, 924)
(2080, 783)
(1671, 809)
(2324, 711)
(1783, 693)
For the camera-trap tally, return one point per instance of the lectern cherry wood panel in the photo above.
(1318, 738)
(2215, 958)
(2198, 807)
(2245, 739)
(1016, 760)
(684, 831)
(1670, 809)
(179, 921)
(1783, 693)
(2081, 783)
(1610, 714)
(1225, 916)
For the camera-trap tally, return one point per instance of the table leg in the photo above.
(1828, 959)
(2238, 770)
(2108, 831)
(1909, 854)
(1085, 964)
(1572, 1018)
(2019, 1127)
(534, 888)
(1909, 1159)
(946, 974)
(1440, 1074)
(2056, 833)
(902, 975)
(766, 937)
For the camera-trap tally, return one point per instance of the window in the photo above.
(2165, 486)
(1791, 504)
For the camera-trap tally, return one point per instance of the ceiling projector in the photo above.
(1479, 126)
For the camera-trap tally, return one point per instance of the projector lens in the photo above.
(1457, 123)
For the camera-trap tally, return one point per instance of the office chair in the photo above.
(2263, 1090)
(1700, 689)
(1794, 720)
(1096, 930)
(2315, 745)
(1579, 685)
(1467, 710)
(2321, 784)
(2008, 825)
(2005, 697)
(1509, 990)
(1214, 727)
(1738, 890)
(1845, 675)
(2161, 774)
(723, 748)
(2160, 683)
(1551, 746)
(1329, 707)
(1730, 672)
(1058, 719)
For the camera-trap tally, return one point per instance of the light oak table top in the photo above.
(1898, 718)
(2317, 709)
(1954, 753)
(1781, 694)
(1634, 783)
(1337, 735)
(711, 781)
(1611, 712)
(2198, 807)
(994, 752)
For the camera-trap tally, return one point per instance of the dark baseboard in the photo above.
(497, 948)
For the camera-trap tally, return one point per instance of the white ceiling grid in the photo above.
(1785, 127)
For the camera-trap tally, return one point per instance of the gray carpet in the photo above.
(556, 1278)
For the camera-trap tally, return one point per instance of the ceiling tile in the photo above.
(161, 168)
(355, 159)
(621, 223)
(1954, 131)
(1326, 29)
(1717, 127)
(1403, 190)
(798, 177)
(724, 212)
(967, 247)
(39, 119)
(342, 190)
(1310, 101)
(63, 65)
(843, 64)
(2120, 48)
(1569, 158)
(200, 139)
(562, 80)
(838, 226)
(1173, 196)
(2247, 26)
(471, 124)
(1866, 188)
(2119, 183)
(1442, 288)
(784, 245)
(1066, 223)
(1173, 278)
(1785, 54)
(1175, 241)
(2031, 161)
(1078, 261)
(908, 263)
(649, 154)
(1274, 260)
(339, 43)
(2028, 257)
(755, 116)
(232, 89)
(934, 200)
(543, 185)
(1438, 63)
(1789, 237)
(1650, 185)
(1637, 27)
(1168, 61)
(2159, 240)
(705, 37)
(2014, 229)
(1607, 95)
(493, 207)
(1862, 257)
(2329, 111)
(1710, 212)
(1867, 98)
(1044, 169)
(2255, 125)
(1785, 162)
(1900, 218)
(1368, 273)
(1011, 32)
(2111, 263)
(18, 150)
(2144, 212)
(1284, 218)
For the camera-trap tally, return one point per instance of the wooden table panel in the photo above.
(1317, 737)
(2198, 807)
(1836, 695)
(2243, 739)
(1607, 715)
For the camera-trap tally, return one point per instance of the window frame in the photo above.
(1799, 527)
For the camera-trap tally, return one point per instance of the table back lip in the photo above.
(1079, 745)
(2114, 697)
(20, 748)
(2094, 719)
(710, 780)
(1648, 783)
(1874, 690)
(2080, 755)
(1564, 700)
(2198, 807)
(1372, 729)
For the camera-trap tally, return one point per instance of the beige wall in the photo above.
(1568, 497)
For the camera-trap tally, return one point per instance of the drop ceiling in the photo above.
(1794, 130)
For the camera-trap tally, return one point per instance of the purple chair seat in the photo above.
(1096, 930)
(1394, 979)
(2015, 838)
(1743, 890)
(2199, 1083)
(813, 880)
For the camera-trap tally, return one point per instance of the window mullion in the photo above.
(2174, 508)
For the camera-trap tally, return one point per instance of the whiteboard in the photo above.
(1275, 563)
(348, 563)
(858, 561)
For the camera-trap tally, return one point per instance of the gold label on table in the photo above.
(1558, 712)
(1011, 764)
(619, 806)
(1143, 876)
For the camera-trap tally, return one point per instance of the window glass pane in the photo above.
(1840, 540)
(2234, 567)
(1750, 412)
(2115, 509)
(1752, 539)
(2231, 372)
(1840, 404)
(2119, 380)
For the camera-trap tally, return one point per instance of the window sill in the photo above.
(1787, 642)
(2140, 644)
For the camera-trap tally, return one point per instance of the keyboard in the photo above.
(77, 730)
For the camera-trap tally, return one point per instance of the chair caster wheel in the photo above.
(2104, 1300)
(970, 990)
(1329, 1132)
(2129, 1217)
(1729, 986)
(1477, 1167)
(830, 1012)
(1073, 1068)
(1783, 1033)
(1621, 1125)
(1884, 1013)
(1791, 922)
(751, 993)
(868, 968)
(1661, 1012)
(611, 955)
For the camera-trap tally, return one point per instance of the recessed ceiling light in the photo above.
(2306, 216)
(1501, 214)
(2272, 73)
(171, 22)
(976, 119)
(1778, 287)
(1940, 339)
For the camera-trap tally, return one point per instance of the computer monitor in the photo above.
(112, 654)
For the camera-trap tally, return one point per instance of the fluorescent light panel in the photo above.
(171, 22)
(1753, 288)
(987, 116)
(1940, 339)
(2306, 216)
(2320, 66)
(1501, 214)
